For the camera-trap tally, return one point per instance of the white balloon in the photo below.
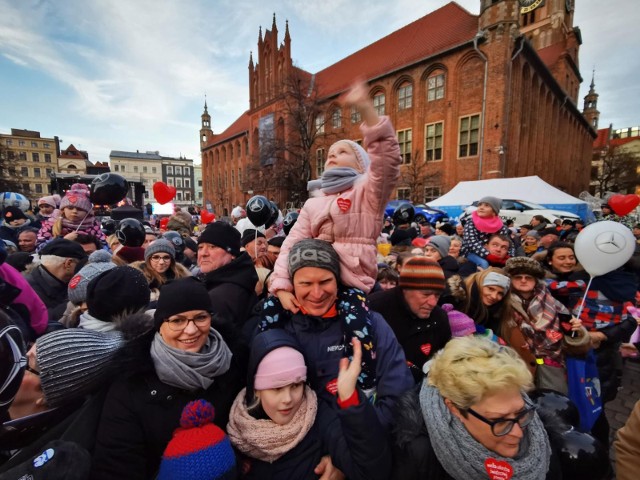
(601, 247)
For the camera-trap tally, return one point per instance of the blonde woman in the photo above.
(472, 419)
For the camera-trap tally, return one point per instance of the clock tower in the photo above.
(590, 110)
(548, 25)
(205, 127)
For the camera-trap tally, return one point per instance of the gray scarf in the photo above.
(335, 180)
(187, 370)
(463, 457)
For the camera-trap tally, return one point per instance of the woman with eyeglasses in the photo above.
(472, 418)
(160, 265)
(186, 360)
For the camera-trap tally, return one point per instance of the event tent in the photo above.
(532, 189)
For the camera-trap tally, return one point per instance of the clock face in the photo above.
(527, 6)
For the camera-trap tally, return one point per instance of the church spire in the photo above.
(590, 110)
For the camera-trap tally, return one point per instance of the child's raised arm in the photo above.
(358, 96)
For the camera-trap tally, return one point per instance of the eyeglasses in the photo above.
(179, 323)
(160, 258)
(503, 426)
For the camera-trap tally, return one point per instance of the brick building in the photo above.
(32, 158)
(471, 97)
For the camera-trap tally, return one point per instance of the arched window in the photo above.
(435, 86)
(405, 96)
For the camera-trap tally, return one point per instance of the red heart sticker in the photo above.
(426, 349)
(498, 469)
(72, 198)
(344, 204)
(566, 325)
(73, 283)
(332, 386)
(554, 336)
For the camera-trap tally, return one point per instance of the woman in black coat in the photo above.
(186, 360)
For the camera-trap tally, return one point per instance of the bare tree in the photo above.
(416, 176)
(617, 171)
(9, 175)
(289, 152)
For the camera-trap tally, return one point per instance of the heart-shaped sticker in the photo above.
(426, 349)
(344, 204)
(554, 336)
(498, 469)
(566, 326)
(332, 386)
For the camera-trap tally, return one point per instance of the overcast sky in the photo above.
(132, 74)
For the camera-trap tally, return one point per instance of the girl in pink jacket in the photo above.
(349, 210)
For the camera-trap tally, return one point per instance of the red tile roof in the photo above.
(436, 32)
(603, 140)
(237, 127)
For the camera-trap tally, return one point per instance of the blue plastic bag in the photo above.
(584, 388)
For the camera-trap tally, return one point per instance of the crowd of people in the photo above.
(338, 343)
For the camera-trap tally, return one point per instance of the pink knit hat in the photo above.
(279, 368)
(461, 324)
(77, 196)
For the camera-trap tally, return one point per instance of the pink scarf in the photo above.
(264, 439)
(487, 225)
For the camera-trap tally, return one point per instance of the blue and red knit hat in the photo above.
(199, 450)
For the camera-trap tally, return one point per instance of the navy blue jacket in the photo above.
(323, 345)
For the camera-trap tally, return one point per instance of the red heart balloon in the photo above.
(164, 222)
(206, 217)
(164, 193)
(623, 204)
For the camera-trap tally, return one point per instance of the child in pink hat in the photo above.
(76, 217)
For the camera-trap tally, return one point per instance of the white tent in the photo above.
(532, 189)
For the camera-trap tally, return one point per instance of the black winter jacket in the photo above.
(232, 289)
(420, 338)
(140, 415)
(51, 291)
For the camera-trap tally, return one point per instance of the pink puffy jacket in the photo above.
(351, 220)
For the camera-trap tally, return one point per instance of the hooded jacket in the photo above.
(353, 437)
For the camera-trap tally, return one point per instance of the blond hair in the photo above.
(468, 369)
